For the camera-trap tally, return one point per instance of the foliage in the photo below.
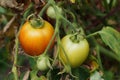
(96, 20)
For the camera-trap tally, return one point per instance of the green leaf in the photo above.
(54, 74)
(108, 75)
(32, 62)
(81, 73)
(2, 10)
(111, 38)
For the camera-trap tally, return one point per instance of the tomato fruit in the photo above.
(43, 63)
(35, 40)
(52, 13)
(74, 52)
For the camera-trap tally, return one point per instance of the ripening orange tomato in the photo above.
(35, 40)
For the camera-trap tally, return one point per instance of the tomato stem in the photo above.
(70, 24)
(72, 14)
(109, 53)
(98, 56)
(92, 34)
(67, 67)
(55, 33)
(35, 21)
(14, 68)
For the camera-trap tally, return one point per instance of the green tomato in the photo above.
(51, 12)
(74, 52)
(43, 63)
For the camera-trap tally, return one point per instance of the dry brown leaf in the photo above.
(8, 3)
(26, 76)
(9, 23)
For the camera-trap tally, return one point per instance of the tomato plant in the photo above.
(74, 52)
(52, 13)
(34, 39)
(98, 19)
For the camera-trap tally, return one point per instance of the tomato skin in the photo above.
(76, 52)
(51, 12)
(35, 40)
(42, 63)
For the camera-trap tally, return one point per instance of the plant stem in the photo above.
(72, 14)
(71, 25)
(99, 58)
(14, 68)
(92, 34)
(43, 9)
(108, 53)
(57, 36)
(53, 37)
(46, 6)
(56, 27)
(97, 49)
(106, 5)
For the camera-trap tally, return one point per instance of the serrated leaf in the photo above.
(111, 38)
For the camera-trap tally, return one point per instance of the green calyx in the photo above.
(35, 21)
(76, 38)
